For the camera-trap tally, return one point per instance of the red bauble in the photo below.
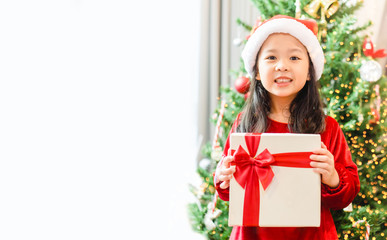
(247, 95)
(242, 84)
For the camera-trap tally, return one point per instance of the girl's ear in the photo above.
(258, 77)
(308, 77)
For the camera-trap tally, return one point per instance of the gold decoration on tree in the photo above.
(327, 9)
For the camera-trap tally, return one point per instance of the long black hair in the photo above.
(306, 112)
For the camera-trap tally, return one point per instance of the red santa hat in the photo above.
(304, 30)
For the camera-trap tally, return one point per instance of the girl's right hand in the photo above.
(225, 172)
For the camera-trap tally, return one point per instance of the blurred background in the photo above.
(105, 107)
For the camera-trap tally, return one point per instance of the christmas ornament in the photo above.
(375, 110)
(370, 71)
(210, 225)
(205, 163)
(242, 84)
(369, 51)
(328, 8)
(237, 41)
(368, 47)
(211, 214)
(215, 144)
(368, 228)
(216, 153)
(376, 116)
(247, 96)
(348, 208)
(361, 117)
(202, 190)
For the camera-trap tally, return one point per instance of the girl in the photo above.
(284, 60)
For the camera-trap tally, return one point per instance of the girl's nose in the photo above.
(281, 66)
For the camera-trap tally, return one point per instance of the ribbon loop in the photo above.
(264, 158)
(245, 164)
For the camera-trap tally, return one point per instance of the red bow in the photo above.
(369, 51)
(258, 166)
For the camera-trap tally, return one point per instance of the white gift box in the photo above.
(293, 198)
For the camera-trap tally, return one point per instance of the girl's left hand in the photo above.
(324, 163)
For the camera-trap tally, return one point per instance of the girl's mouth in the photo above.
(283, 80)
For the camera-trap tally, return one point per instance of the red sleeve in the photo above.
(349, 186)
(224, 193)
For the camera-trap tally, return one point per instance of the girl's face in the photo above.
(283, 65)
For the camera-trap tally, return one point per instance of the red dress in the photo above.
(336, 198)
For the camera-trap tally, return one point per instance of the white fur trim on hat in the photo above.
(284, 25)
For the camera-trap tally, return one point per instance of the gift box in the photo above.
(274, 185)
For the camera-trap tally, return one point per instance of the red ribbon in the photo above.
(251, 170)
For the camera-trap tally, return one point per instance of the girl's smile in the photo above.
(283, 81)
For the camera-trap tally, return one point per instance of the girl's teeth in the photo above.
(282, 80)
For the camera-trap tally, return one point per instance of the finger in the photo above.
(227, 160)
(225, 177)
(216, 179)
(321, 151)
(320, 165)
(224, 185)
(227, 171)
(323, 145)
(222, 177)
(323, 172)
(229, 152)
(320, 158)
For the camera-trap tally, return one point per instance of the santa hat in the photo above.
(304, 30)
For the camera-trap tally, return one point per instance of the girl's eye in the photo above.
(271, 58)
(294, 58)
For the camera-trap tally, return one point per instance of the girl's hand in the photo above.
(225, 172)
(324, 163)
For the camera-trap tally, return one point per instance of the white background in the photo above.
(94, 96)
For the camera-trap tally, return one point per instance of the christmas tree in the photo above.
(354, 92)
